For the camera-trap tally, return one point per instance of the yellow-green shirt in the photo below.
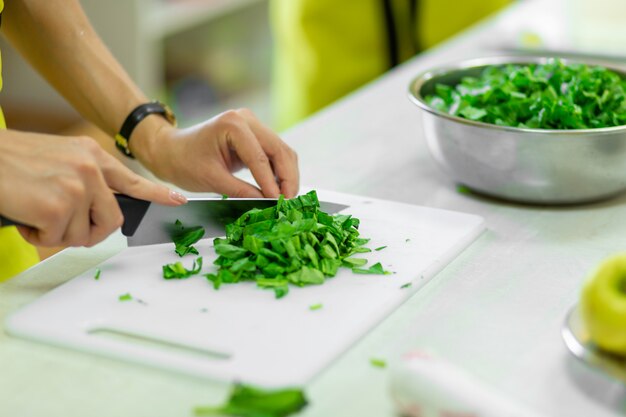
(326, 48)
(15, 254)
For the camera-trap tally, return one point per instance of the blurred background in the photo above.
(206, 56)
(199, 56)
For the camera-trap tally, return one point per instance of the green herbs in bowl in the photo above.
(552, 95)
(530, 129)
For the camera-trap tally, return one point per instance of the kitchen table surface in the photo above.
(496, 311)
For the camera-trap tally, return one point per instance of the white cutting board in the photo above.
(242, 332)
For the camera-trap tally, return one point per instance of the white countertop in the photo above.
(495, 311)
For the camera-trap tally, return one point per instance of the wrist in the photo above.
(135, 117)
(150, 140)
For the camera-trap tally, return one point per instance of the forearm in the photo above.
(57, 39)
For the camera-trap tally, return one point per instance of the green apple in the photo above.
(603, 305)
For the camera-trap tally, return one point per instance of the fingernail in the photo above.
(178, 197)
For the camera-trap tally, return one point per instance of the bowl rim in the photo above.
(417, 83)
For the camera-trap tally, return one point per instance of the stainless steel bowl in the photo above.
(528, 165)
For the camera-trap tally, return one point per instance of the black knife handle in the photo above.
(7, 222)
(132, 208)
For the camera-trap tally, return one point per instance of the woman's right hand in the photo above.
(61, 187)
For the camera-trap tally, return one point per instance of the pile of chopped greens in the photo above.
(247, 401)
(293, 242)
(554, 95)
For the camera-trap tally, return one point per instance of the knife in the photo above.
(147, 223)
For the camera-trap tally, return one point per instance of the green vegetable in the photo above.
(247, 401)
(407, 285)
(292, 243)
(125, 297)
(185, 237)
(354, 262)
(380, 248)
(178, 271)
(376, 269)
(224, 196)
(97, 275)
(554, 95)
(462, 189)
(281, 291)
(378, 363)
(316, 307)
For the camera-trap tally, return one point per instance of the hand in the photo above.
(203, 157)
(61, 188)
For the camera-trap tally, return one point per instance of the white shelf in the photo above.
(166, 17)
(136, 39)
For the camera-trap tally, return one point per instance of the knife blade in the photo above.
(147, 223)
(157, 224)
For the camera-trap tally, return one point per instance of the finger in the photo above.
(123, 180)
(52, 221)
(30, 234)
(79, 226)
(41, 237)
(234, 187)
(249, 150)
(284, 159)
(105, 215)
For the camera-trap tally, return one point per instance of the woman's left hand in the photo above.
(204, 157)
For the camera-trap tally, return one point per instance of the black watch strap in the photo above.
(122, 139)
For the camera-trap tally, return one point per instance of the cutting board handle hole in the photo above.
(155, 343)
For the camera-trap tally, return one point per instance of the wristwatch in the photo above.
(122, 139)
